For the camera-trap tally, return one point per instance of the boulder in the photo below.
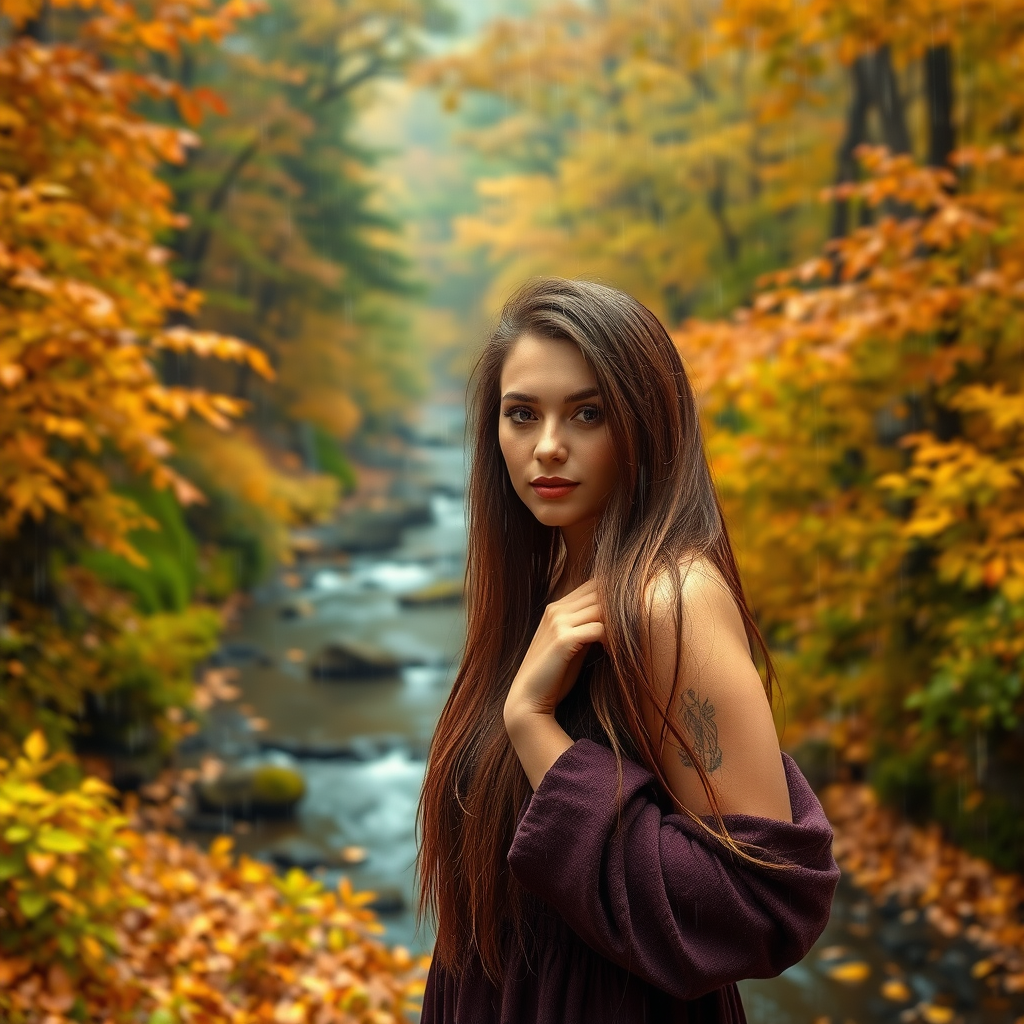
(388, 899)
(354, 660)
(298, 852)
(266, 790)
(298, 608)
(235, 654)
(441, 592)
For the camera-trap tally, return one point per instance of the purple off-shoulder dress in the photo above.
(648, 922)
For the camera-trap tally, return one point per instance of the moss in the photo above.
(274, 785)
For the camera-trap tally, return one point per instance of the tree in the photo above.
(870, 458)
(641, 160)
(286, 234)
(85, 299)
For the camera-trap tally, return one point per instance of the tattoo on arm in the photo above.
(702, 731)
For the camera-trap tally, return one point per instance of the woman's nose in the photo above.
(551, 444)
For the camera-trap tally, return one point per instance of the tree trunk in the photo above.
(856, 134)
(938, 79)
(874, 86)
(886, 91)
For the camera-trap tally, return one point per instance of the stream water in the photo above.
(361, 745)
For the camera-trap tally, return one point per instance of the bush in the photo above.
(100, 922)
(93, 665)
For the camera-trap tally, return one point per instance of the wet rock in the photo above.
(266, 790)
(442, 592)
(368, 530)
(209, 822)
(389, 899)
(314, 750)
(353, 660)
(230, 654)
(352, 856)
(298, 852)
(299, 608)
(358, 748)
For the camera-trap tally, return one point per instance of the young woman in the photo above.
(609, 830)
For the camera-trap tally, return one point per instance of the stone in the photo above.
(266, 790)
(353, 660)
(388, 899)
(233, 653)
(352, 856)
(299, 608)
(299, 852)
(441, 592)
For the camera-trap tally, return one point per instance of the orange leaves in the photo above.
(958, 894)
(218, 346)
(131, 923)
(85, 289)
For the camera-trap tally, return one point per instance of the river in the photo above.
(361, 747)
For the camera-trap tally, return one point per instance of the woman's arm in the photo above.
(720, 704)
(655, 894)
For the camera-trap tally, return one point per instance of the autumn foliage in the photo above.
(101, 922)
(864, 407)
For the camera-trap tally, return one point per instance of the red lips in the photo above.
(553, 486)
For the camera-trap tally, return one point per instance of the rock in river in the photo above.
(441, 592)
(267, 790)
(353, 660)
(297, 852)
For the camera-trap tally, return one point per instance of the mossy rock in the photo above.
(441, 592)
(267, 790)
(276, 786)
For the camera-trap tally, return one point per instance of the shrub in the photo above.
(101, 922)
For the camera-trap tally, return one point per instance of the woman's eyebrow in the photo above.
(576, 396)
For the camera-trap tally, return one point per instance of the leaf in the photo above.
(59, 840)
(850, 973)
(35, 746)
(41, 863)
(17, 833)
(32, 903)
(896, 990)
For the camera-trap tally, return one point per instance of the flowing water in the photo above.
(361, 749)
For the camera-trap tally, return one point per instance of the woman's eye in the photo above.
(589, 414)
(518, 414)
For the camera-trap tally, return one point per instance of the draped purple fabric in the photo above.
(645, 919)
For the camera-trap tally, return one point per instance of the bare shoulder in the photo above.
(704, 672)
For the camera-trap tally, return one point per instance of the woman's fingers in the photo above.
(588, 613)
(583, 594)
(590, 633)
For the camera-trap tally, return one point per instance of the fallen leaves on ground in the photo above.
(958, 894)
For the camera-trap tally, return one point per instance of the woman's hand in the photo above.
(567, 629)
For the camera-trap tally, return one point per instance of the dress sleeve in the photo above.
(653, 894)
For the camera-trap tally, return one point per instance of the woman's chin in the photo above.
(551, 514)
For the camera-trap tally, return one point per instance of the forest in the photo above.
(242, 241)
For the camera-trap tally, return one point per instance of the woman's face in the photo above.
(553, 433)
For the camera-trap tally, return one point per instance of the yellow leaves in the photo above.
(20, 11)
(896, 990)
(933, 1014)
(852, 972)
(218, 346)
(35, 746)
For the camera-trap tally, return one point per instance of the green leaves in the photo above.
(56, 840)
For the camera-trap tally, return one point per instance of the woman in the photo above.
(609, 830)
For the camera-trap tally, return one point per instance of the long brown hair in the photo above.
(664, 512)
